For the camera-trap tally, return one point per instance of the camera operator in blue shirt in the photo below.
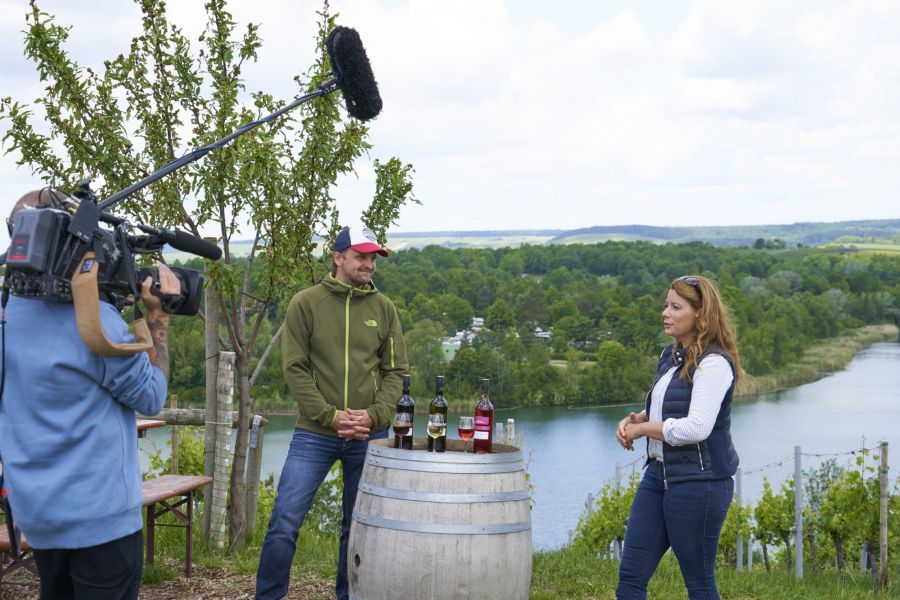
(68, 438)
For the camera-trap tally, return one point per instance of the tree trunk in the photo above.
(766, 557)
(811, 538)
(839, 553)
(873, 563)
(787, 544)
(238, 512)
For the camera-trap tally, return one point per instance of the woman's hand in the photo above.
(626, 438)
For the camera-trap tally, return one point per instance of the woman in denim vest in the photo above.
(687, 488)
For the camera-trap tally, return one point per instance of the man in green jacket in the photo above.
(344, 358)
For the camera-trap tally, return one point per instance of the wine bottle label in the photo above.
(482, 421)
(481, 435)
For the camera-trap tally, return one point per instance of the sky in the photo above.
(527, 114)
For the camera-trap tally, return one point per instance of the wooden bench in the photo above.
(10, 564)
(166, 494)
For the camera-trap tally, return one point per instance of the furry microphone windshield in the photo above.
(354, 73)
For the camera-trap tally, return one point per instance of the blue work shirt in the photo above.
(68, 438)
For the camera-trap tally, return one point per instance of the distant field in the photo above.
(597, 238)
(877, 248)
(401, 242)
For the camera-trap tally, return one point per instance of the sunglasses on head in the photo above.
(691, 281)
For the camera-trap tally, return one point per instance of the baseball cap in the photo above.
(360, 238)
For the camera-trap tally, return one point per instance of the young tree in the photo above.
(816, 484)
(774, 516)
(605, 522)
(849, 509)
(163, 97)
(737, 523)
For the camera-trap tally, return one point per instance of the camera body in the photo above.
(43, 255)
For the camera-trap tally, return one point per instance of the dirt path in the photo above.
(204, 584)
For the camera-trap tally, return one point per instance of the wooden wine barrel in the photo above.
(440, 525)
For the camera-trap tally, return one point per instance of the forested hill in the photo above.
(807, 234)
(791, 235)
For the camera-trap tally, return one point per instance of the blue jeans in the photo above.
(686, 517)
(309, 459)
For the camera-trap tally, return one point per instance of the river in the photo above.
(573, 453)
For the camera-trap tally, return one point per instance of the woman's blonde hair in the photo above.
(714, 325)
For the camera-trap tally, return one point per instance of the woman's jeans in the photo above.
(309, 459)
(687, 517)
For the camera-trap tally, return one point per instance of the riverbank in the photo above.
(817, 361)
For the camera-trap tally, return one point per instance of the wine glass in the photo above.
(466, 430)
(402, 424)
(437, 425)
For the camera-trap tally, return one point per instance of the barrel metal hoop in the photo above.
(430, 467)
(443, 498)
(441, 528)
(445, 457)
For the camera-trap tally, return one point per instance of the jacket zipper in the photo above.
(347, 347)
(700, 453)
(665, 481)
(392, 352)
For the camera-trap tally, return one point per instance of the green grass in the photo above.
(569, 574)
(566, 574)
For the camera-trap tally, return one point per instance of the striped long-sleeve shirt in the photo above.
(712, 379)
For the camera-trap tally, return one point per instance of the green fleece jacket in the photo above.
(343, 348)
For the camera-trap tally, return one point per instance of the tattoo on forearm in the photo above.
(159, 356)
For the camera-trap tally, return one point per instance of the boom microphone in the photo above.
(354, 73)
(190, 244)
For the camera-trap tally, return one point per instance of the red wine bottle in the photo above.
(438, 407)
(403, 436)
(484, 421)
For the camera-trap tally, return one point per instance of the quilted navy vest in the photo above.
(713, 458)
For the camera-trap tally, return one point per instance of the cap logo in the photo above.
(367, 233)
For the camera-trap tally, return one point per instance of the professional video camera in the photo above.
(49, 241)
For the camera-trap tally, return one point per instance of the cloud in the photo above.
(515, 116)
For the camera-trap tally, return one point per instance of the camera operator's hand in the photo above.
(168, 286)
(157, 318)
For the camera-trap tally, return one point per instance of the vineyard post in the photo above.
(173, 402)
(740, 538)
(750, 554)
(883, 519)
(798, 512)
